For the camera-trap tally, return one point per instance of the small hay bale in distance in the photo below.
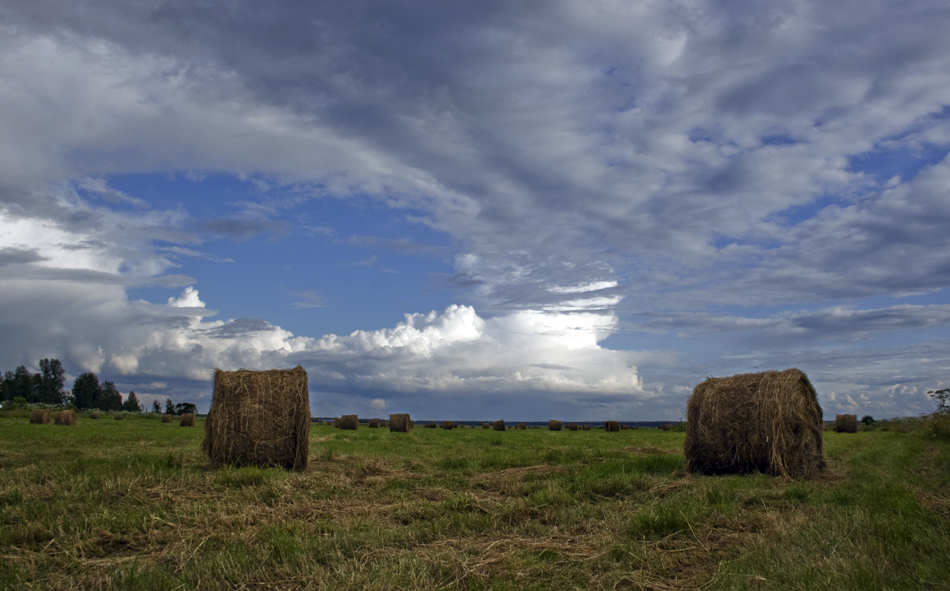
(522, 426)
(374, 423)
(498, 425)
(666, 427)
(400, 423)
(118, 416)
(349, 422)
(846, 423)
(585, 427)
(449, 425)
(66, 417)
(769, 421)
(572, 427)
(166, 418)
(612, 426)
(40, 416)
(554, 425)
(259, 418)
(187, 420)
(486, 425)
(431, 426)
(94, 415)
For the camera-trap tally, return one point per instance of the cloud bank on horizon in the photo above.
(518, 210)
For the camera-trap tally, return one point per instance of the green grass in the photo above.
(131, 505)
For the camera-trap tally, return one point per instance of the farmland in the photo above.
(131, 505)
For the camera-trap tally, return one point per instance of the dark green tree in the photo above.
(6, 386)
(109, 397)
(86, 391)
(184, 407)
(49, 388)
(156, 407)
(23, 384)
(169, 406)
(131, 403)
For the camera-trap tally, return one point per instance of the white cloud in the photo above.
(378, 404)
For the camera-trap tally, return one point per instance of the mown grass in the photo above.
(130, 505)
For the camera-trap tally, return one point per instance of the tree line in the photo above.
(47, 387)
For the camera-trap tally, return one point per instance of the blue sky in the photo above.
(573, 210)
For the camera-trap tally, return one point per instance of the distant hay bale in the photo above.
(40, 416)
(383, 423)
(634, 427)
(572, 427)
(94, 415)
(259, 418)
(846, 423)
(187, 420)
(118, 416)
(769, 421)
(166, 418)
(349, 422)
(431, 426)
(666, 427)
(554, 425)
(585, 427)
(400, 423)
(611, 426)
(486, 425)
(498, 425)
(449, 425)
(374, 423)
(66, 417)
(522, 426)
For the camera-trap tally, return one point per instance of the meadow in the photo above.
(131, 505)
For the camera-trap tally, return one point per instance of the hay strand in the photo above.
(259, 418)
(769, 421)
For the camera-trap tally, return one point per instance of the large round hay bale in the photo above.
(66, 417)
(187, 420)
(259, 418)
(572, 427)
(350, 422)
(40, 416)
(449, 425)
(374, 423)
(166, 418)
(118, 416)
(769, 421)
(846, 423)
(612, 426)
(498, 425)
(554, 425)
(400, 423)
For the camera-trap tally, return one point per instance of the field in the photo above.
(130, 505)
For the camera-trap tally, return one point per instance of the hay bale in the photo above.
(486, 425)
(66, 417)
(612, 426)
(572, 427)
(666, 427)
(94, 415)
(522, 426)
(259, 418)
(374, 423)
(498, 425)
(769, 421)
(350, 422)
(40, 416)
(585, 427)
(554, 425)
(166, 418)
(846, 423)
(187, 420)
(449, 425)
(431, 426)
(400, 423)
(118, 416)
(336, 422)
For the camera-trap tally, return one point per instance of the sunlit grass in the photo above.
(130, 505)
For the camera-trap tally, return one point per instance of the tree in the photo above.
(109, 397)
(6, 387)
(156, 407)
(942, 397)
(86, 391)
(51, 378)
(169, 406)
(131, 403)
(23, 384)
(184, 407)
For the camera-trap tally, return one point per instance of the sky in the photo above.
(520, 210)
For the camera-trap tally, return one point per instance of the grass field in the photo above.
(130, 505)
